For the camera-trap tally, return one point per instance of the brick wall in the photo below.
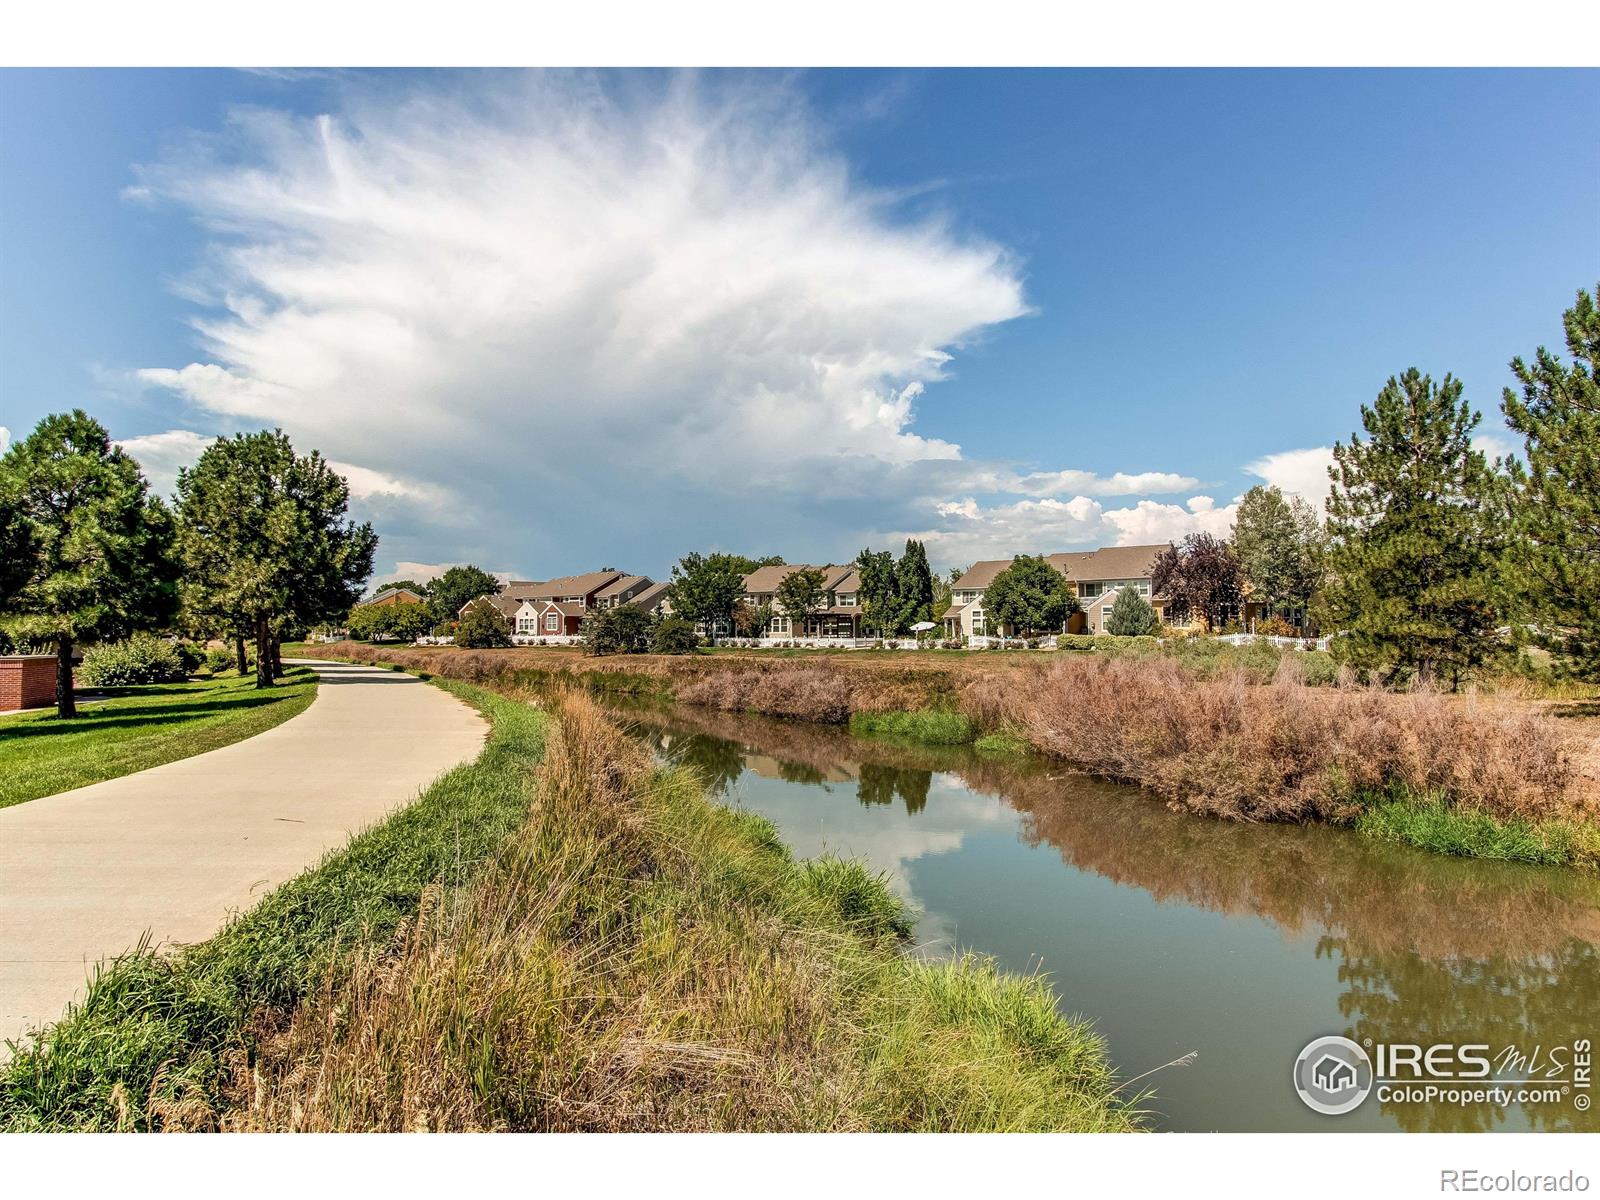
(27, 681)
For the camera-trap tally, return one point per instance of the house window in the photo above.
(977, 625)
(848, 600)
(526, 625)
(781, 626)
(552, 622)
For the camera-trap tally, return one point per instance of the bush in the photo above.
(1275, 626)
(190, 656)
(139, 660)
(1131, 615)
(674, 635)
(217, 661)
(483, 627)
(622, 630)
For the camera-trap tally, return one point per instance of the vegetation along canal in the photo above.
(1179, 934)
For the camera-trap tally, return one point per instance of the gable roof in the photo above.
(507, 605)
(1079, 566)
(622, 584)
(391, 591)
(566, 585)
(1108, 562)
(650, 597)
(767, 579)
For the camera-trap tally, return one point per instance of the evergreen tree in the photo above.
(1131, 614)
(452, 590)
(95, 548)
(1029, 596)
(1415, 536)
(264, 540)
(913, 586)
(878, 609)
(1555, 550)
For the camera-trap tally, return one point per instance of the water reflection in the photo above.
(1156, 923)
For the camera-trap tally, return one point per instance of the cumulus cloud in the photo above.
(1087, 483)
(5, 438)
(1302, 473)
(561, 320)
(162, 455)
(427, 572)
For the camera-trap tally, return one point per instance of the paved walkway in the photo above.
(178, 848)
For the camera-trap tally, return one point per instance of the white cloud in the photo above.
(1302, 473)
(1087, 483)
(161, 455)
(367, 484)
(5, 438)
(544, 292)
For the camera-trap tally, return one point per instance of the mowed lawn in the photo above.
(138, 727)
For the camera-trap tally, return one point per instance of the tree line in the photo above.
(256, 545)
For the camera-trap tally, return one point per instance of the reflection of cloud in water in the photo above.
(830, 819)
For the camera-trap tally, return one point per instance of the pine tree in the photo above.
(97, 544)
(1131, 614)
(1555, 550)
(1415, 539)
(913, 586)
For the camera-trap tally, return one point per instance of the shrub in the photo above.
(138, 660)
(1131, 614)
(483, 627)
(190, 655)
(622, 630)
(1077, 641)
(217, 661)
(674, 635)
(1275, 626)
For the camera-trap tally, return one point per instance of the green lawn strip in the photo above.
(159, 1029)
(135, 728)
(935, 727)
(1430, 823)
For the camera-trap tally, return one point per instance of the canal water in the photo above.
(1177, 934)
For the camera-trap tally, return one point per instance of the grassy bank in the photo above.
(155, 1038)
(134, 728)
(1227, 745)
(591, 945)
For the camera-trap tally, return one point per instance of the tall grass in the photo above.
(1285, 751)
(936, 727)
(638, 959)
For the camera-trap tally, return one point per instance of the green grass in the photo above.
(1003, 742)
(1433, 825)
(935, 727)
(139, 727)
(155, 1029)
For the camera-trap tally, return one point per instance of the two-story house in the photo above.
(556, 607)
(1094, 577)
(838, 616)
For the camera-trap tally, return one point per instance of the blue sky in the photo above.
(553, 322)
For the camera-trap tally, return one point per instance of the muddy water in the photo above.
(1177, 934)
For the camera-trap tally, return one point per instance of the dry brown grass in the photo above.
(1284, 751)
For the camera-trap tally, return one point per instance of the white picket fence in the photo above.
(1283, 643)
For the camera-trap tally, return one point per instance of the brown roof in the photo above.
(621, 585)
(1108, 562)
(955, 610)
(850, 581)
(651, 596)
(507, 605)
(566, 585)
(767, 579)
(981, 575)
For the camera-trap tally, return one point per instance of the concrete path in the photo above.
(177, 849)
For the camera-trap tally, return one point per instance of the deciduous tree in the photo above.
(706, 587)
(1029, 596)
(800, 594)
(1279, 544)
(95, 548)
(449, 591)
(483, 627)
(1415, 525)
(1555, 551)
(1199, 577)
(264, 540)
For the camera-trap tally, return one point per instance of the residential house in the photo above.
(838, 617)
(555, 608)
(392, 595)
(1094, 576)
